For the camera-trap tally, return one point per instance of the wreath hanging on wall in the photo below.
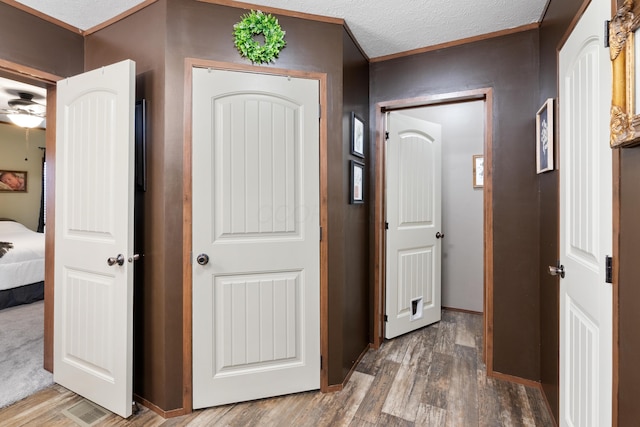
(253, 24)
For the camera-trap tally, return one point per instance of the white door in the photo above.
(585, 224)
(256, 302)
(93, 313)
(413, 194)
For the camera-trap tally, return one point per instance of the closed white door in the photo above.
(585, 224)
(93, 313)
(413, 194)
(256, 236)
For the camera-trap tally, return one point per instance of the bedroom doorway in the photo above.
(26, 84)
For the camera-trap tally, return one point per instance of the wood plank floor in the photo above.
(431, 377)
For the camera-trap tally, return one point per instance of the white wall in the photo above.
(462, 205)
(22, 207)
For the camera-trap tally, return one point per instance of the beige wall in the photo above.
(22, 207)
(462, 204)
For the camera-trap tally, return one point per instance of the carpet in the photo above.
(21, 352)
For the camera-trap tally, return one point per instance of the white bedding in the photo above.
(24, 263)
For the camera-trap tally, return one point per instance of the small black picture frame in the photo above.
(356, 182)
(357, 135)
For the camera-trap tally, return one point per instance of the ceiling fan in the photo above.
(24, 111)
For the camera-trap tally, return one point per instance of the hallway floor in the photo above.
(431, 377)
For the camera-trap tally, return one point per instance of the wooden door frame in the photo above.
(486, 95)
(50, 81)
(187, 284)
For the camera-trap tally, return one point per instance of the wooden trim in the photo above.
(164, 414)
(459, 42)
(485, 94)
(187, 305)
(277, 11)
(334, 388)
(516, 380)
(615, 357)
(487, 349)
(573, 24)
(187, 239)
(25, 71)
(616, 286)
(117, 18)
(462, 310)
(42, 16)
(49, 245)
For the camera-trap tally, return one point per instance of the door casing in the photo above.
(187, 320)
(486, 95)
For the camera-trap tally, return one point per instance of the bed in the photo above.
(21, 264)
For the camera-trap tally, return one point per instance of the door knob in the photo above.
(439, 235)
(117, 260)
(557, 270)
(202, 259)
(135, 257)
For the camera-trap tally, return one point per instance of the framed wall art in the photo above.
(357, 135)
(478, 171)
(13, 181)
(357, 182)
(544, 137)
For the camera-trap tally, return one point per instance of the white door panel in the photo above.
(93, 315)
(413, 194)
(585, 224)
(256, 306)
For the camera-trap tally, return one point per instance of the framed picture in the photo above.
(478, 171)
(13, 181)
(357, 135)
(624, 30)
(544, 137)
(357, 182)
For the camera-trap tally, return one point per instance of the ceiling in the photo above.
(381, 27)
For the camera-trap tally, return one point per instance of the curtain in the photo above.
(41, 220)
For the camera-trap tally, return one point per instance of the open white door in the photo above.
(93, 313)
(585, 224)
(256, 236)
(413, 194)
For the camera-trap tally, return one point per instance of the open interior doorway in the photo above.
(479, 185)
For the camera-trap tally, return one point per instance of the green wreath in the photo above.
(253, 24)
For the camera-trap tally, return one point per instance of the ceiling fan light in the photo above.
(25, 120)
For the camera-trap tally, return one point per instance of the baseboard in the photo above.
(514, 379)
(338, 387)
(546, 402)
(462, 310)
(164, 414)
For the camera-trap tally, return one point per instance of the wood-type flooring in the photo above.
(430, 377)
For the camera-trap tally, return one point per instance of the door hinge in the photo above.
(606, 33)
(608, 269)
(321, 234)
(320, 362)
(386, 135)
(386, 225)
(319, 111)
(386, 318)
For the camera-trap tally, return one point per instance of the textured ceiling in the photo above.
(381, 27)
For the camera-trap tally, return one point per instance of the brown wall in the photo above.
(35, 43)
(157, 306)
(165, 34)
(356, 238)
(554, 26)
(629, 288)
(510, 66)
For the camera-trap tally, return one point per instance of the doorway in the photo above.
(188, 213)
(484, 95)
